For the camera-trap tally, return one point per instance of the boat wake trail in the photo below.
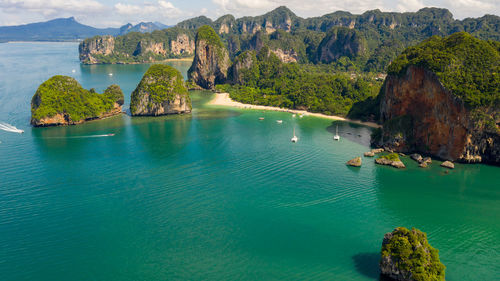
(82, 137)
(10, 128)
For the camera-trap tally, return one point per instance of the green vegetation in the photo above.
(391, 157)
(467, 66)
(64, 95)
(411, 252)
(162, 82)
(271, 82)
(208, 34)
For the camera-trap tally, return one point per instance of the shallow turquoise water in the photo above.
(217, 195)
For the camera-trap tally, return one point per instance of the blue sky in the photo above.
(114, 13)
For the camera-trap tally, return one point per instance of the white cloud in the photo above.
(155, 10)
(410, 5)
(52, 7)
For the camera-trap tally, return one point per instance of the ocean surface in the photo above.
(216, 195)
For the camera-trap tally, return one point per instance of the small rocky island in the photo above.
(211, 59)
(407, 256)
(61, 100)
(161, 91)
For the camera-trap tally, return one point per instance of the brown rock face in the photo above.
(286, 56)
(210, 64)
(102, 45)
(144, 47)
(340, 41)
(420, 115)
(182, 45)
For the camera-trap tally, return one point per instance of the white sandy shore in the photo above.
(224, 100)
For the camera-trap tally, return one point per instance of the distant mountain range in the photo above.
(68, 29)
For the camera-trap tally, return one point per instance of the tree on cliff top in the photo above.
(467, 66)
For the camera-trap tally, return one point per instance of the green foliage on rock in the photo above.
(467, 66)
(412, 255)
(162, 83)
(208, 34)
(391, 156)
(64, 95)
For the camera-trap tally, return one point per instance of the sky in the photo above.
(115, 13)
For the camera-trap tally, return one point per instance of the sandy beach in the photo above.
(224, 100)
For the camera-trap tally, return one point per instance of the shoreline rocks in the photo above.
(448, 164)
(356, 162)
(391, 159)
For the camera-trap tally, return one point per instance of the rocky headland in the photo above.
(61, 100)
(427, 108)
(161, 91)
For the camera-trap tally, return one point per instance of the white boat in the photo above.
(279, 121)
(261, 118)
(337, 137)
(110, 74)
(294, 138)
(293, 115)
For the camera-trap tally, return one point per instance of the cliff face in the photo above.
(99, 45)
(108, 49)
(161, 91)
(242, 64)
(61, 100)
(211, 59)
(421, 115)
(341, 41)
(182, 45)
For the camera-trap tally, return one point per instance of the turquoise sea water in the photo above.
(217, 195)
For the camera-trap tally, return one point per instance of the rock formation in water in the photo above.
(406, 255)
(435, 112)
(356, 162)
(61, 100)
(161, 91)
(211, 59)
(391, 159)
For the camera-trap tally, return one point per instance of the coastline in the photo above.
(223, 99)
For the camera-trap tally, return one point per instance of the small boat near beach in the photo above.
(336, 137)
(261, 118)
(293, 115)
(294, 138)
(279, 121)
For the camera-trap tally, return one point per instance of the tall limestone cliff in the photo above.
(98, 45)
(244, 65)
(438, 100)
(61, 100)
(211, 59)
(340, 42)
(138, 47)
(161, 91)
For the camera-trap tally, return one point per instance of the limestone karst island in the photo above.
(243, 140)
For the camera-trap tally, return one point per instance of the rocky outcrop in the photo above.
(145, 47)
(242, 64)
(286, 56)
(61, 100)
(211, 60)
(406, 255)
(390, 160)
(420, 115)
(182, 45)
(161, 91)
(356, 162)
(339, 42)
(99, 45)
(448, 164)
